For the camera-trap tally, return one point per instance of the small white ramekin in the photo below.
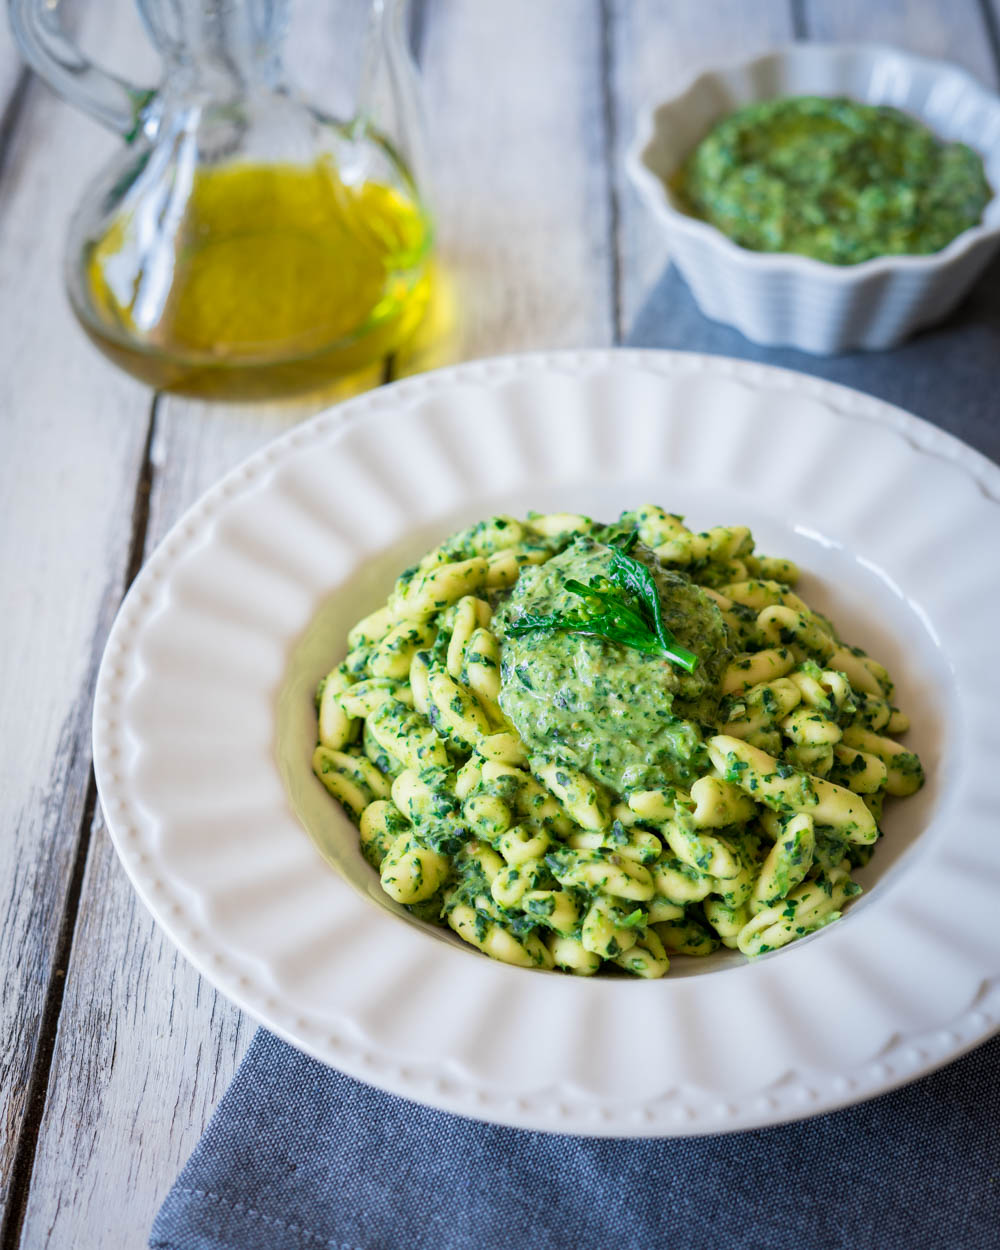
(782, 299)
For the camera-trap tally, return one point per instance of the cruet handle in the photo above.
(52, 54)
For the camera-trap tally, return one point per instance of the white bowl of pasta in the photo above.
(251, 602)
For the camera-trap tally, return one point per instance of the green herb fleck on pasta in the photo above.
(585, 746)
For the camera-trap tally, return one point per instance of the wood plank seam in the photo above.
(38, 1082)
(610, 117)
(41, 1069)
(992, 31)
(12, 113)
(418, 28)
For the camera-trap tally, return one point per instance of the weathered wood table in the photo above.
(114, 1050)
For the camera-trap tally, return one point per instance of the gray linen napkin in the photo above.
(298, 1156)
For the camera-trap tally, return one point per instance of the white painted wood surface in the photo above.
(515, 107)
(531, 105)
(653, 53)
(72, 436)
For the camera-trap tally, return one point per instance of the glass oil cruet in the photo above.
(242, 244)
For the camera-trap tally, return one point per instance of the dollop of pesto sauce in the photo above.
(833, 179)
(627, 719)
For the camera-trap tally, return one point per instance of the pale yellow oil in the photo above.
(277, 279)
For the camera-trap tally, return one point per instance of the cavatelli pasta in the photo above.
(584, 746)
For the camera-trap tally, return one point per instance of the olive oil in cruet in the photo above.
(244, 245)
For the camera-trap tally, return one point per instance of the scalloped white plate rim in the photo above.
(685, 1111)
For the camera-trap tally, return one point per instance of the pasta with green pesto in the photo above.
(582, 745)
